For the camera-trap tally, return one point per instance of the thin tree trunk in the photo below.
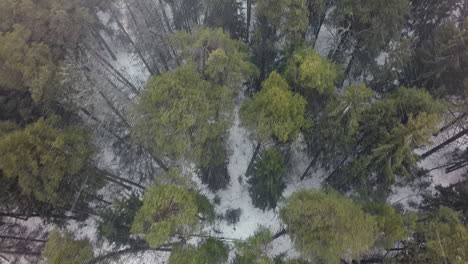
(110, 175)
(138, 51)
(279, 234)
(125, 251)
(337, 167)
(445, 143)
(254, 156)
(311, 164)
(249, 16)
(26, 253)
(166, 19)
(23, 238)
(97, 34)
(451, 123)
(87, 113)
(112, 107)
(115, 71)
(317, 32)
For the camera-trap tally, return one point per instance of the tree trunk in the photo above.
(20, 252)
(317, 32)
(111, 68)
(107, 174)
(23, 238)
(279, 234)
(125, 251)
(166, 19)
(104, 43)
(112, 107)
(445, 143)
(138, 51)
(249, 16)
(311, 164)
(337, 167)
(451, 123)
(254, 156)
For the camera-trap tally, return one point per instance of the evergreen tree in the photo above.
(211, 251)
(228, 15)
(175, 114)
(212, 169)
(167, 211)
(311, 75)
(114, 224)
(440, 237)
(48, 163)
(219, 59)
(63, 248)
(390, 223)
(288, 16)
(366, 28)
(254, 249)
(27, 66)
(267, 179)
(327, 226)
(275, 111)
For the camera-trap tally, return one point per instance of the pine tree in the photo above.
(390, 223)
(211, 251)
(114, 224)
(167, 211)
(275, 111)
(440, 237)
(27, 66)
(311, 75)
(327, 226)
(48, 163)
(267, 179)
(254, 249)
(175, 114)
(63, 248)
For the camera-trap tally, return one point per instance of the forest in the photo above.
(233, 131)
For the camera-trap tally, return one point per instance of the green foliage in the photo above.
(58, 24)
(395, 156)
(440, 63)
(228, 15)
(389, 132)
(441, 237)
(47, 162)
(27, 66)
(211, 251)
(115, 222)
(64, 248)
(373, 24)
(166, 211)
(311, 74)
(267, 179)
(275, 111)
(176, 112)
(254, 248)
(220, 59)
(327, 226)
(289, 16)
(213, 165)
(390, 224)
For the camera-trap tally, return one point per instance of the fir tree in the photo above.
(267, 179)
